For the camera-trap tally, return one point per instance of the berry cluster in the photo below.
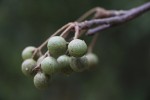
(61, 57)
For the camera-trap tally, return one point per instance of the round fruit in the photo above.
(41, 81)
(57, 46)
(40, 60)
(49, 65)
(27, 67)
(64, 63)
(27, 52)
(79, 64)
(92, 59)
(77, 48)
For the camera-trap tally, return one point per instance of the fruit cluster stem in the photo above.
(92, 44)
(102, 19)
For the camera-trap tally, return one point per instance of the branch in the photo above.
(101, 19)
(105, 23)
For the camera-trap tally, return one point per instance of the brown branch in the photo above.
(102, 19)
(106, 23)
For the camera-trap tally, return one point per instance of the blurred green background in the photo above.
(123, 72)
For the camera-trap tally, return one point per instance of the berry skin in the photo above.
(57, 45)
(41, 81)
(27, 67)
(64, 63)
(40, 59)
(28, 52)
(49, 65)
(79, 64)
(92, 60)
(77, 48)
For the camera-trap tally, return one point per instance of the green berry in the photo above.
(41, 81)
(57, 45)
(40, 60)
(92, 59)
(79, 64)
(77, 48)
(64, 63)
(49, 65)
(28, 52)
(27, 67)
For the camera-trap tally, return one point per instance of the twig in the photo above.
(45, 42)
(93, 42)
(109, 19)
(87, 14)
(67, 30)
(117, 20)
(97, 29)
(38, 65)
(76, 31)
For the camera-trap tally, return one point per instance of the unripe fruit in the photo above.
(28, 53)
(64, 63)
(41, 81)
(79, 64)
(40, 59)
(49, 65)
(92, 60)
(57, 46)
(77, 48)
(27, 67)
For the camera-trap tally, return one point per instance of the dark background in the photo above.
(123, 72)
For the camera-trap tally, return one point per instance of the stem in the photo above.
(76, 32)
(45, 42)
(87, 14)
(56, 33)
(116, 20)
(97, 29)
(92, 44)
(113, 18)
(39, 65)
(67, 30)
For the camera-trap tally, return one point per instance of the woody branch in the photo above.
(102, 19)
(97, 25)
